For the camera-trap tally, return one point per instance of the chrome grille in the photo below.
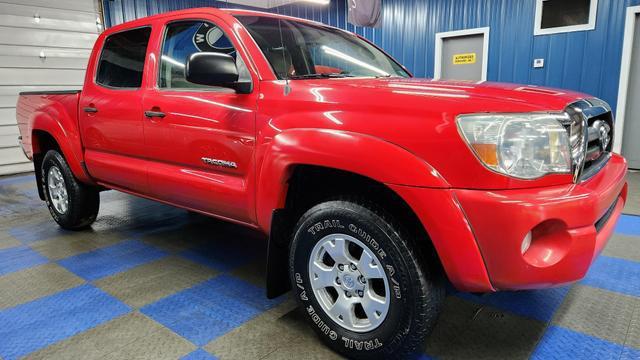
(589, 124)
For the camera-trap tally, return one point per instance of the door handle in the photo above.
(90, 110)
(154, 114)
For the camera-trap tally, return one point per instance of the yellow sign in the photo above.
(461, 59)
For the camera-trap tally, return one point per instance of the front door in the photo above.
(462, 57)
(200, 140)
(111, 112)
(631, 132)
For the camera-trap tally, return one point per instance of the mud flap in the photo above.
(278, 282)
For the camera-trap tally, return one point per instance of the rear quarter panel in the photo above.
(56, 115)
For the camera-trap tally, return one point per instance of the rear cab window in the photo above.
(121, 63)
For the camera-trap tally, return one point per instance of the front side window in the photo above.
(298, 50)
(122, 59)
(558, 16)
(182, 39)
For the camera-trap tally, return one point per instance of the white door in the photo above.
(462, 55)
(631, 133)
(44, 45)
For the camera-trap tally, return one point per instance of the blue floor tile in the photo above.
(211, 309)
(199, 355)
(535, 304)
(19, 258)
(111, 260)
(13, 180)
(31, 233)
(561, 343)
(224, 254)
(37, 324)
(630, 354)
(615, 274)
(629, 225)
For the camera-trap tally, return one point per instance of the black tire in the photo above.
(83, 200)
(416, 292)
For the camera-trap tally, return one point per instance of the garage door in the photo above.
(44, 45)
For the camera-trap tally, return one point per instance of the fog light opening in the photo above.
(546, 244)
(526, 243)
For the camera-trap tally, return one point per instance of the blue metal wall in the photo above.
(585, 61)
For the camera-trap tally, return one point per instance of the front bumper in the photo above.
(478, 234)
(569, 225)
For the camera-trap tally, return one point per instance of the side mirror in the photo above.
(214, 69)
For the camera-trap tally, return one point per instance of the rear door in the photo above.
(201, 151)
(111, 112)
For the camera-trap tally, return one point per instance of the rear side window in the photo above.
(122, 60)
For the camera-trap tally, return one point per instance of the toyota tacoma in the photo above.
(375, 189)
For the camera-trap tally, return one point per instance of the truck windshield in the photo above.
(298, 50)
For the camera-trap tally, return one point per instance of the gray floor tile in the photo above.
(633, 200)
(279, 333)
(633, 336)
(33, 283)
(624, 247)
(469, 331)
(132, 336)
(147, 283)
(72, 244)
(7, 241)
(597, 312)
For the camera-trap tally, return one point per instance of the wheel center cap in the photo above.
(348, 281)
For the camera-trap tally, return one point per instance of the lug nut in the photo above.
(348, 294)
(362, 280)
(341, 267)
(338, 281)
(353, 267)
(360, 293)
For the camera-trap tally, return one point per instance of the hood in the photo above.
(460, 96)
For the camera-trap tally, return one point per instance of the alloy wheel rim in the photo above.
(349, 283)
(57, 190)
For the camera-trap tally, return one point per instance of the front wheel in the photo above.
(359, 282)
(72, 205)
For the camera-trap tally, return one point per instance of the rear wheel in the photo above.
(72, 204)
(360, 284)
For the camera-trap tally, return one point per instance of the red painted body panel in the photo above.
(400, 132)
(565, 245)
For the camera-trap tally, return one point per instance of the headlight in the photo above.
(525, 146)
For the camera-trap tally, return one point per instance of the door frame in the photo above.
(437, 72)
(625, 73)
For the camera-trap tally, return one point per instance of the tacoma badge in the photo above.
(223, 163)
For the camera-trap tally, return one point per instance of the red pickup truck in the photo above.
(374, 187)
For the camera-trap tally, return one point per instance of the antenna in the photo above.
(287, 87)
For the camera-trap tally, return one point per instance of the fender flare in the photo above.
(65, 132)
(361, 154)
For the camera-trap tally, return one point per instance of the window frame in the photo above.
(144, 65)
(165, 29)
(591, 25)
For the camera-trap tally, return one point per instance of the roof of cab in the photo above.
(217, 11)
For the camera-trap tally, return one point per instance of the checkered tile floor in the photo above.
(153, 282)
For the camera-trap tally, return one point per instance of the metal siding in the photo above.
(64, 32)
(584, 61)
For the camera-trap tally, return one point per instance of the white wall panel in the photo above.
(46, 38)
(7, 115)
(44, 45)
(10, 76)
(76, 5)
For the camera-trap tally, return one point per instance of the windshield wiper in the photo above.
(320, 76)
